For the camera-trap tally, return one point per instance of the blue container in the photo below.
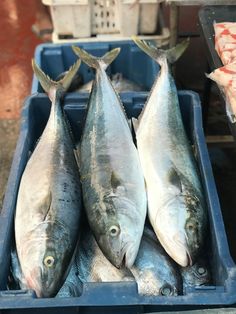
(117, 297)
(131, 62)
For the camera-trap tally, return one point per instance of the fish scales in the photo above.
(112, 180)
(176, 206)
(160, 117)
(49, 201)
(102, 146)
(154, 271)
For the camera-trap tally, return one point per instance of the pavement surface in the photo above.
(17, 42)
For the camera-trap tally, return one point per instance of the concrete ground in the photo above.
(9, 130)
(17, 43)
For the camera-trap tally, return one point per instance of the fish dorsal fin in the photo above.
(171, 55)
(147, 100)
(175, 180)
(135, 124)
(48, 85)
(96, 62)
(77, 155)
(130, 123)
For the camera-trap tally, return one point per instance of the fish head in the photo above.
(45, 263)
(196, 275)
(120, 237)
(180, 232)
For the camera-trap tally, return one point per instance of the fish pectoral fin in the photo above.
(47, 201)
(115, 182)
(116, 185)
(175, 180)
(96, 62)
(48, 84)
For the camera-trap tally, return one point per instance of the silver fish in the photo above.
(16, 272)
(49, 199)
(176, 206)
(196, 275)
(93, 266)
(72, 286)
(119, 83)
(112, 180)
(153, 270)
(76, 81)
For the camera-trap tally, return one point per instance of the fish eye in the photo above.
(49, 261)
(201, 270)
(166, 290)
(114, 231)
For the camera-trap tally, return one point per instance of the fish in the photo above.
(120, 84)
(93, 266)
(16, 279)
(48, 207)
(76, 81)
(154, 271)
(113, 185)
(176, 203)
(72, 287)
(196, 275)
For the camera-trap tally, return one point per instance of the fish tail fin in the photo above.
(48, 84)
(96, 62)
(171, 55)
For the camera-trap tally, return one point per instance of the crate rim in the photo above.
(220, 296)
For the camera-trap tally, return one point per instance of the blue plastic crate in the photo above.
(117, 297)
(131, 62)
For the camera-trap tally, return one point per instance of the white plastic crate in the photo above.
(84, 18)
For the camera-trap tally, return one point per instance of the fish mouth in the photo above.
(33, 282)
(190, 261)
(128, 254)
(185, 258)
(178, 250)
